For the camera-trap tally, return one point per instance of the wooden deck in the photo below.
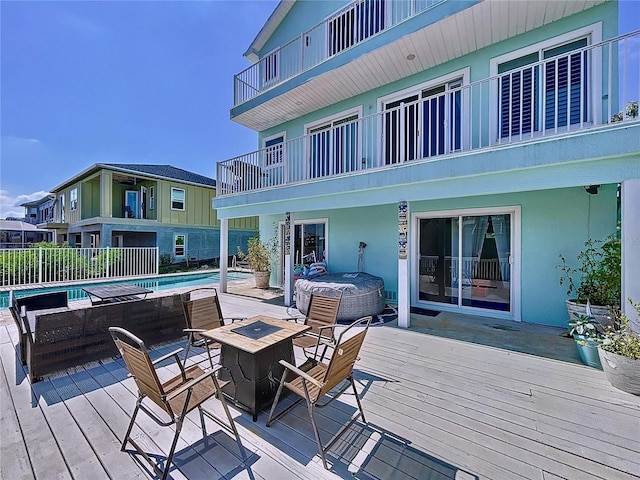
(436, 408)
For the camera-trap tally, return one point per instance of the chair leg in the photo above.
(277, 397)
(355, 392)
(317, 434)
(173, 448)
(133, 419)
(186, 350)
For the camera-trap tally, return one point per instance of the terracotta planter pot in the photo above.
(262, 279)
(622, 372)
(602, 314)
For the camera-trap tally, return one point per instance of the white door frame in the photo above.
(515, 312)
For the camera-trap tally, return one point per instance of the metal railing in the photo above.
(584, 88)
(42, 266)
(350, 26)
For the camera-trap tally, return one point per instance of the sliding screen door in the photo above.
(466, 261)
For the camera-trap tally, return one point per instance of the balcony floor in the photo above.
(458, 407)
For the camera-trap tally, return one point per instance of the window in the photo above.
(152, 198)
(179, 246)
(131, 204)
(356, 23)
(548, 95)
(271, 65)
(73, 199)
(274, 151)
(62, 212)
(177, 198)
(333, 146)
(423, 124)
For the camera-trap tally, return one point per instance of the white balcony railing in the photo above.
(585, 88)
(350, 26)
(42, 266)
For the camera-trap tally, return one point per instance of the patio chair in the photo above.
(320, 380)
(175, 397)
(202, 312)
(322, 315)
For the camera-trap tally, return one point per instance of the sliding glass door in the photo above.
(466, 260)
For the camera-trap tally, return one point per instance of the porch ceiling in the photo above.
(483, 24)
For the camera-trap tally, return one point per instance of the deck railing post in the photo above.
(107, 267)
(39, 264)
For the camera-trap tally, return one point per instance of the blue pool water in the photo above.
(162, 282)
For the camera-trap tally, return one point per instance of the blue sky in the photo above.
(119, 82)
(84, 82)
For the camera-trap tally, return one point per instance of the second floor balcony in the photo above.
(586, 88)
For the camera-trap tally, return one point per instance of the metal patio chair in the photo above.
(321, 379)
(202, 312)
(322, 315)
(175, 397)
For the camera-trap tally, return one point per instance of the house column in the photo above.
(106, 194)
(288, 263)
(224, 253)
(404, 296)
(630, 216)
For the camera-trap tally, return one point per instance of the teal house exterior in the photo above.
(467, 143)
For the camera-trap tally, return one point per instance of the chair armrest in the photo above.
(332, 327)
(193, 330)
(293, 319)
(192, 383)
(300, 373)
(169, 355)
(235, 319)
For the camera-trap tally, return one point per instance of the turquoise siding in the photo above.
(553, 222)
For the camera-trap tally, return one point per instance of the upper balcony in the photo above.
(586, 88)
(368, 40)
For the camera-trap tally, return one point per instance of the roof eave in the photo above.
(272, 23)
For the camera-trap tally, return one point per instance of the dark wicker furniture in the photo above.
(57, 339)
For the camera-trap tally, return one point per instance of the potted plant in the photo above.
(619, 353)
(259, 255)
(600, 279)
(586, 332)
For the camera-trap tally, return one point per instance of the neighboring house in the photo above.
(41, 211)
(467, 143)
(20, 234)
(129, 205)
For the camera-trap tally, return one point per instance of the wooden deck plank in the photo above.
(45, 458)
(14, 457)
(436, 407)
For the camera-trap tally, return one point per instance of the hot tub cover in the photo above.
(362, 293)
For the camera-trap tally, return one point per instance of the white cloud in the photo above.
(10, 205)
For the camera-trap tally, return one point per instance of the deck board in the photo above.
(436, 408)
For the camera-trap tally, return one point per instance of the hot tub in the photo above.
(362, 293)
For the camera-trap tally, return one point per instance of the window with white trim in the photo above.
(177, 198)
(333, 146)
(271, 68)
(551, 93)
(152, 197)
(62, 212)
(179, 245)
(358, 22)
(274, 151)
(73, 199)
(423, 124)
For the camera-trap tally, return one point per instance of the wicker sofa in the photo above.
(61, 338)
(33, 302)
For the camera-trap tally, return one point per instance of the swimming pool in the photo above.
(162, 282)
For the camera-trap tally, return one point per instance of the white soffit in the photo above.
(483, 24)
